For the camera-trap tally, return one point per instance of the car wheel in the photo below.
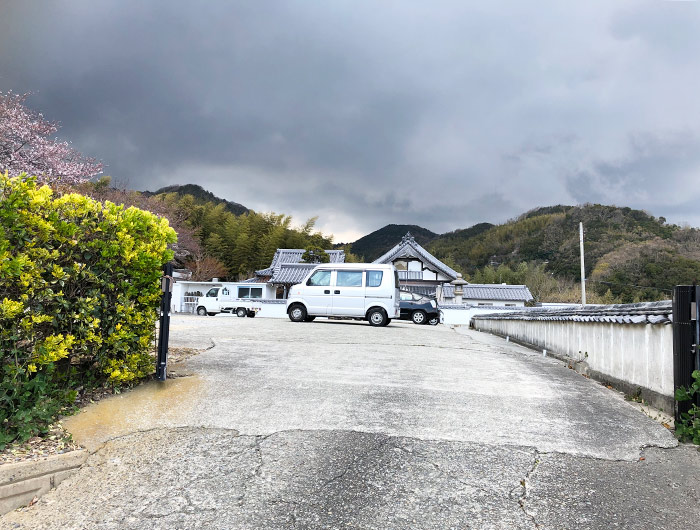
(377, 317)
(201, 311)
(297, 313)
(434, 321)
(309, 318)
(241, 312)
(419, 317)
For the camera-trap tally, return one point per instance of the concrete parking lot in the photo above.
(337, 424)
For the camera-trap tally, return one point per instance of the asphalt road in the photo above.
(340, 425)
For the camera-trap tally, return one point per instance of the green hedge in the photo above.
(79, 293)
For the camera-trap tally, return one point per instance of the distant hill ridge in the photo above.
(550, 234)
(634, 254)
(373, 245)
(630, 254)
(202, 195)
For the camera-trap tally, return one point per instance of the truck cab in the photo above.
(209, 303)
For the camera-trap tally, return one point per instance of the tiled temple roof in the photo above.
(481, 291)
(408, 248)
(293, 255)
(286, 266)
(641, 313)
(291, 273)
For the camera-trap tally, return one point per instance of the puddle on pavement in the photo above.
(150, 405)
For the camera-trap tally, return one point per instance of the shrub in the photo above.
(79, 292)
(688, 428)
(315, 254)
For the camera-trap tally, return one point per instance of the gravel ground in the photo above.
(339, 425)
(58, 440)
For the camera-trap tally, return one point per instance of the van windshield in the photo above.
(322, 278)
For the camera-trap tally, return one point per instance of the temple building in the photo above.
(419, 271)
(422, 273)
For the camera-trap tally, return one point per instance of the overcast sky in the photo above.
(441, 114)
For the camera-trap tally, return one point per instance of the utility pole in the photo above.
(583, 269)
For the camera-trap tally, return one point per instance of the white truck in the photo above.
(239, 299)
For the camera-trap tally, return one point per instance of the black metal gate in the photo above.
(164, 328)
(686, 331)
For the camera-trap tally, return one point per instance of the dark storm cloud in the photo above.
(657, 173)
(442, 114)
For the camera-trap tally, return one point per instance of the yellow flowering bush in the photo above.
(79, 293)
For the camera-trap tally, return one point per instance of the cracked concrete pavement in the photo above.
(340, 425)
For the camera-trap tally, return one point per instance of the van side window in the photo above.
(322, 278)
(374, 278)
(349, 279)
(213, 292)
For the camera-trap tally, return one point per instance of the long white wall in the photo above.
(638, 354)
(454, 315)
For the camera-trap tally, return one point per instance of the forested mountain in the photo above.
(630, 253)
(212, 240)
(373, 245)
(243, 243)
(201, 196)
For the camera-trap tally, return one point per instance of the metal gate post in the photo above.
(685, 343)
(694, 315)
(164, 330)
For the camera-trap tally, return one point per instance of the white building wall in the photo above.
(509, 303)
(638, 354)
(416, 266)
(430, 275)
(178, 302)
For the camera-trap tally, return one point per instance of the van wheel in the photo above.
(418, 317)
(202, 311)
(297, 313)
(377, 317)
(241, 312)
(251, 314)
(309, 318)
(434, 321)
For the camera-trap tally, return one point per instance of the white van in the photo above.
(369, 291)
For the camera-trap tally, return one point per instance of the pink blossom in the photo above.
(26, 146)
